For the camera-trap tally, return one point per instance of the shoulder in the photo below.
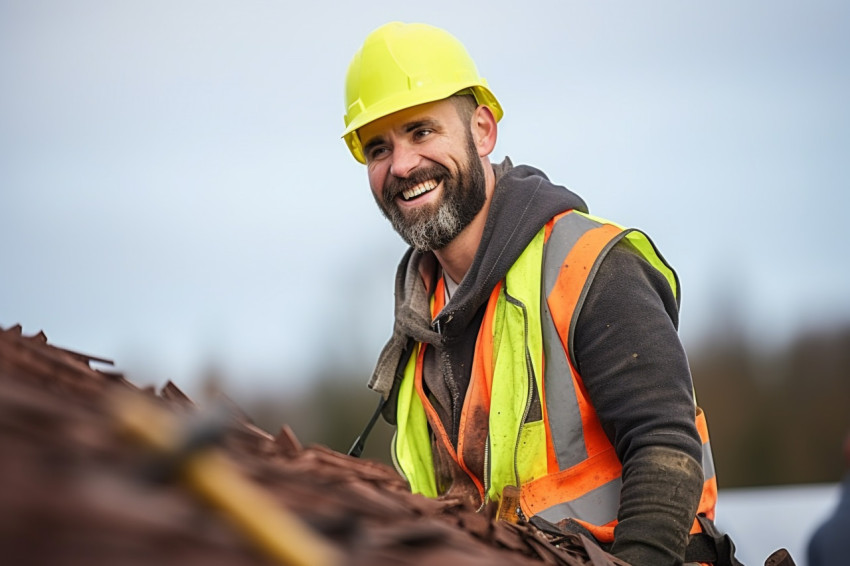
(626, 278)
(590, 245)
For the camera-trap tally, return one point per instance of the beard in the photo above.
(433, 226)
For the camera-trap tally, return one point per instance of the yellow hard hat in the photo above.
(403, 65)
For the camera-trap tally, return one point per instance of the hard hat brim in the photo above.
(408, 100)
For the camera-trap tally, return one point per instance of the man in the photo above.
(534, 361)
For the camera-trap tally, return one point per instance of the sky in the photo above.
(175, 195)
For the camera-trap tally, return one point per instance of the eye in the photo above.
(377, 152)
(422, 133)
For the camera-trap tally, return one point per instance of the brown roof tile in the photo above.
(75, 490)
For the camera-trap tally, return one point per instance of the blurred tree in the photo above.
(333, 412)
(776, 416)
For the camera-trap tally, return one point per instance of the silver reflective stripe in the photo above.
(598, 506)
(707, 461)
(561, 400)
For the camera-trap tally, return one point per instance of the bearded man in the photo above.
(535, 361)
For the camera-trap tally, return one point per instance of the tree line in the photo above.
(777, 415)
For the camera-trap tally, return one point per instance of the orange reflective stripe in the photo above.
(475, 416)
(439, 300)
(484, 344)
(702, 425)
(439, 297)
(563, 300)
(434, 420)
(565, 296)
(551, 490)
(708, 501)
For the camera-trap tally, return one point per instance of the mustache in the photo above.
(393, 186)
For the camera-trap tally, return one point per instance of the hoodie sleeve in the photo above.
(636, 373)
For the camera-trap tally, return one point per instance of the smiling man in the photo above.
(534, 361)
(426, 170)
(428, 203)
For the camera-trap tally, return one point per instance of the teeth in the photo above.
(423, 187)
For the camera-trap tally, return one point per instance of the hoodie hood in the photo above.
(523, 201)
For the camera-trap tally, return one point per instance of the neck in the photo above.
(456, 258)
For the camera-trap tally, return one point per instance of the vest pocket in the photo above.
(531, 452)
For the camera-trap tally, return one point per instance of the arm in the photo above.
(636, 373)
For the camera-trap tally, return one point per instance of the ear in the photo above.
(484, 130)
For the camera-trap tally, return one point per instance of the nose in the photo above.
(405, 159)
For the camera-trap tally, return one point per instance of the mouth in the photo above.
(419, 190)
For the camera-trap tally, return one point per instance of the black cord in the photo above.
(357, 448)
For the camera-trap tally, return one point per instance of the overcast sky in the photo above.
(174, 192)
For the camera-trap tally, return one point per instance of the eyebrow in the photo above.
(406, 128)
(410, 126)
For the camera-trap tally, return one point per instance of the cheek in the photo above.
(377, 175)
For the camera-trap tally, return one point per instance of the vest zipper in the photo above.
(529, 370)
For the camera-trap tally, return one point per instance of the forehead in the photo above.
(441, 112)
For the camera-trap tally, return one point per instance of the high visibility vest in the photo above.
(563, 464)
